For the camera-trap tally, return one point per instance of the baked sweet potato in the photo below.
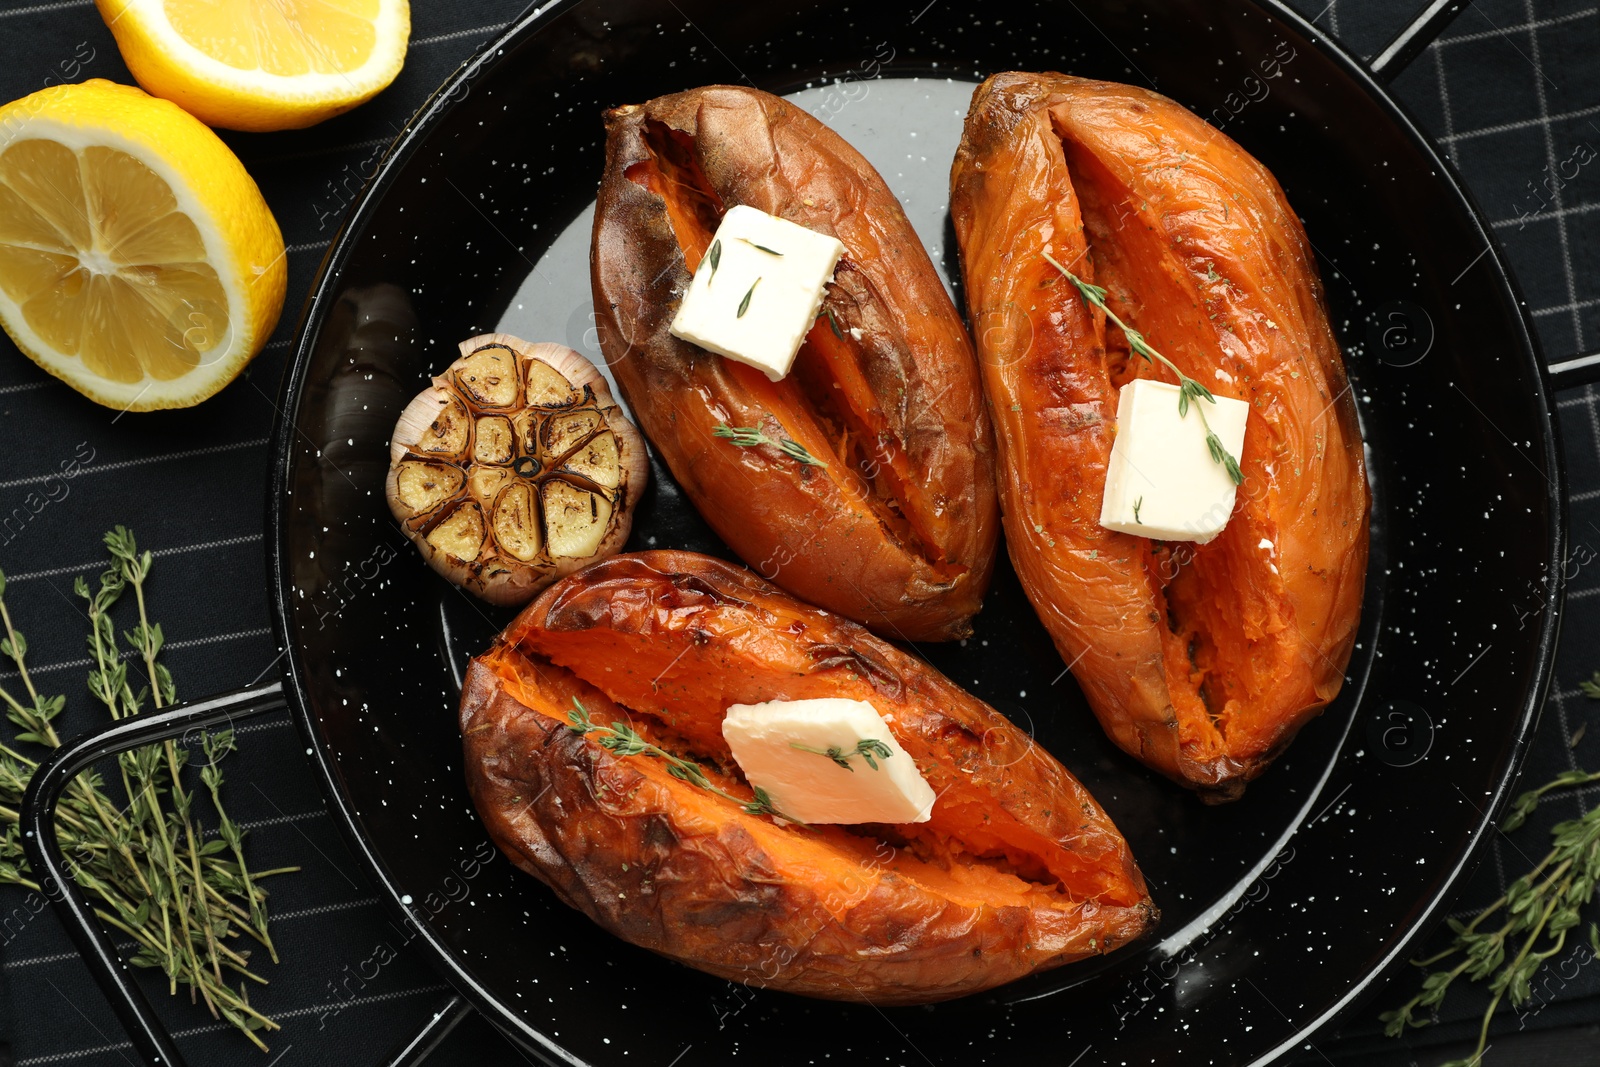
(1200, 660)
(1017, 870)
(899, 529)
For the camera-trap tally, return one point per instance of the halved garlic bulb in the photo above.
(514, 468)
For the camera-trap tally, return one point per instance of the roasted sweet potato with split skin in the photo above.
(899, 530)
(1200, 660)
(1018, 869)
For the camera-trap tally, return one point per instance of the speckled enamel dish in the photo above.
(1279, 910)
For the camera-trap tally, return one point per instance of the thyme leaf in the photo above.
(1137, 504)
(762, 805)
(744, 305)
(833, 323)
(750, 436)
(715, 256)
(1188, 388)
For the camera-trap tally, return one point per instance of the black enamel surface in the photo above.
(1277, 910)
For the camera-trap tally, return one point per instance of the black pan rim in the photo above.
(322, 294)
(1550, 622)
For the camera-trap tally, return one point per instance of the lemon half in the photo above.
(138, 260)
(261, 64)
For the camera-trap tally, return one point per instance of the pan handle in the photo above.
(1395, 56)
(144, 1027)
(1417, 35)
(1579, 370)
(431, 1034)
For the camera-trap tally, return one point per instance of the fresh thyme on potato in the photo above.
(624, 740)
(751, 436)
(1188, 388)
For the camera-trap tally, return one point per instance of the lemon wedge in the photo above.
(261, 64)
(138, 261)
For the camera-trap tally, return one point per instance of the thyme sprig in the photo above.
(750, 436)
(180, 897)
(762, 248)
(624, 740)
(1188, 388)
(869, 749)
(1537, 911)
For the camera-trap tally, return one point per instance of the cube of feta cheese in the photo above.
(1162, 482)
(757, 296)
(807, 755)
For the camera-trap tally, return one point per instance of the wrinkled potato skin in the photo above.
(818, 911)
(922, 434)
(1201, 252)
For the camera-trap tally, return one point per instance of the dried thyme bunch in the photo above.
(184, 897)
(1531, 921)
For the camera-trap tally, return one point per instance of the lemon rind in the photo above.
(235, 93)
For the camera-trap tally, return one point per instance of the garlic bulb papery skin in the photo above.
(514, 468)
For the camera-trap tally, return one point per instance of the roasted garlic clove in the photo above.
(514, 468)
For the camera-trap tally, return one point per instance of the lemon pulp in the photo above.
(104, 265)
(280, 37)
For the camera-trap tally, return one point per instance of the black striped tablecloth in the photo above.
(1512, 91)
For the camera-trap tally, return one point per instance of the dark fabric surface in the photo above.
(1512, 91)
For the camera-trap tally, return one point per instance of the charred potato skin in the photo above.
(807, 529)
(645, 857)
(1229, 244)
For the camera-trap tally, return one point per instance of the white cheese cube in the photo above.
(763, 294)
(788, 748)
(1162, 482)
